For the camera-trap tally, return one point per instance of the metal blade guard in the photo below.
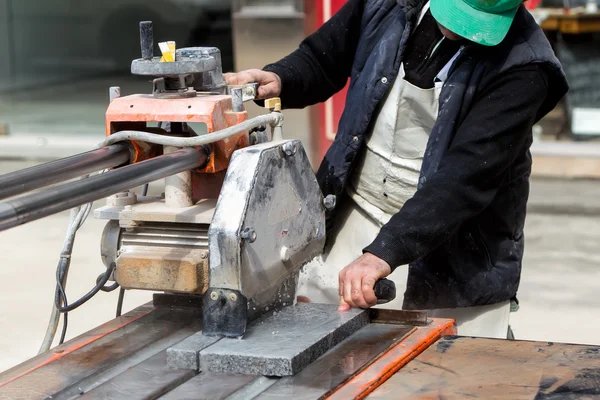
(269, 221)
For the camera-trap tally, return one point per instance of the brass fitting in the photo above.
(273, 104)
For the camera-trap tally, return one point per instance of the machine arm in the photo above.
(53, 200)
(47, 174)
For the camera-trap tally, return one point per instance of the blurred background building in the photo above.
(59, 57)
(63, 54)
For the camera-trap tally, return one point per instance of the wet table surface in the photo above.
(464, 367)
(127, 359)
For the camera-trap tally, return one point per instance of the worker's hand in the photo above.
(269, 83)
(358, 279)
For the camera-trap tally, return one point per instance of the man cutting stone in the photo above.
(431, 163)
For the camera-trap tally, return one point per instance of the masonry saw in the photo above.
(241, 211)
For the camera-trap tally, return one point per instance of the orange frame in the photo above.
(135, 111)
(79, 342)
(387, 364)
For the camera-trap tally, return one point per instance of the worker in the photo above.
(430, 165)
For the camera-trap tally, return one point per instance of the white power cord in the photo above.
(274, 119)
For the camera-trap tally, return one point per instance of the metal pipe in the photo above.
(53, 200)
(28, 179)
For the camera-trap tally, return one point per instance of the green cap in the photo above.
(481, 21)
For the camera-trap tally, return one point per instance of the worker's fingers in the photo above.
(350, 286)
(358, 298)
(343, 307)
(269, 83)
(302, 299)
(269, 90)
(348, 292)
(248, 76)
(240, 78)
(357, 281)
(368, 283)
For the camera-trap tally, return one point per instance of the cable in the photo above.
(63, 334)
(120, 302)
(85, 298)
(272, 119)
(65, 323)
(110, 288)
(76, 220)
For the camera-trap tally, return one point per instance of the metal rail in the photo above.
(23, 181)
(56, 199)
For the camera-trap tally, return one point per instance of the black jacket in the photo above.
(462, 232)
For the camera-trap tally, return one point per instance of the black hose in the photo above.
(120, 302)
(110, 288)
(63, 334)
(85, 298)
(107, 289)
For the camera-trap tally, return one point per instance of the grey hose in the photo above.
(274, 119)
(76, 220)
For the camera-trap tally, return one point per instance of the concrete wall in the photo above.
(261, 40)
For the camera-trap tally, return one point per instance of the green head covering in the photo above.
(481, 21)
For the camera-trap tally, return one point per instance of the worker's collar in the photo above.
(412, 8)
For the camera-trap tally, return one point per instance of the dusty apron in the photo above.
(385, 178)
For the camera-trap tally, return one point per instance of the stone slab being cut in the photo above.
(284, 343)
(184, 355)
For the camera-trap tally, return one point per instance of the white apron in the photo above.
(385, 178)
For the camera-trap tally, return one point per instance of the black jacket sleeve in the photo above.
(486, 144)
(321, 66)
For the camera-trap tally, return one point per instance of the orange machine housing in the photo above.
(136, 111)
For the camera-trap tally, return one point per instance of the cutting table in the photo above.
(400, 355)
(127, 358)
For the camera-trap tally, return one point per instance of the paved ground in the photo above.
(561, 280)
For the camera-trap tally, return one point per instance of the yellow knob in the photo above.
(273, 104)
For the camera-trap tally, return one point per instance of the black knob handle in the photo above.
(385, 291)
(147, 40)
